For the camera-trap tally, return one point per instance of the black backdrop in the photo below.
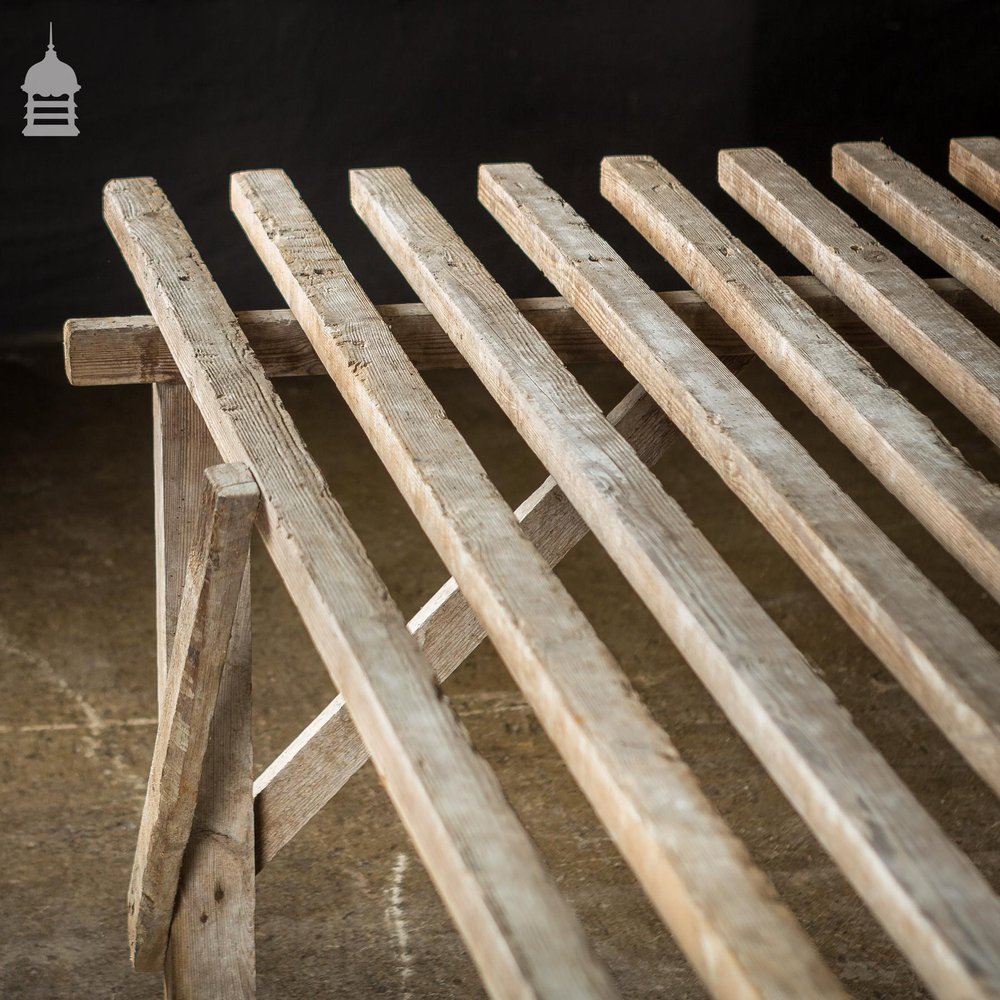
(188, 92)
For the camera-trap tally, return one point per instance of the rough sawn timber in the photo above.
(321, 759)
(975, 163)
(201, 647)
(211, 949)
(860, 810)
(934, 651)
(936, 339)
(120, 350)
(524, 938)
(963, 241)
(720, 907)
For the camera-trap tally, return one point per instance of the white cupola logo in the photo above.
(51, 88)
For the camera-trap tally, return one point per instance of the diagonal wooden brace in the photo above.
(324, 756)
(201, 645)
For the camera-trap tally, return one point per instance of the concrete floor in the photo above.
(77, 693)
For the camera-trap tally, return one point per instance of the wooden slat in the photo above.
(201, 646)
(975, 163)
(964, 242)
(321, 759)
(719, 905)
(898, 445)
(936, 339)
(927, 894)
(210, 953)
(934, 651)
(522, 934)
(130, 349)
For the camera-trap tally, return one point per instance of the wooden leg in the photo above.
(211, 948)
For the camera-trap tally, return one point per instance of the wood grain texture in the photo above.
(200, 649)
(932, 336)
(130, 349)
(963, 241)
(926, 893)
(210, 953)
(935, 652)
(321, 759)
(699, 876)
(523, 936)
(975, 163)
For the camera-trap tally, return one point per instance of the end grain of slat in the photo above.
(936, 339)
(963, 241)
(201, 646)
(975, 163)
(523, 936)
(857, 806)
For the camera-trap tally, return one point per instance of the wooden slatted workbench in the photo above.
(206, 827)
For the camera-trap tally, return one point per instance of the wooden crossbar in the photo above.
(205, 822)
(975, 162)
(128, 350)
(479, 856)
(762, 682)
(320, 760)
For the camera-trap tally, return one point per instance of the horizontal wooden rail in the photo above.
(524, 937)
(126, 350)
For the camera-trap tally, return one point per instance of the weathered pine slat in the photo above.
(210, 952)
(845, 555)
(130, 349)
(321, 759)
(963, 241)
(522, 934)
(935, 652)
(720, 907)
(201, 645)
(936, 339)
(900, 446)
(940, 911)
(975, 163)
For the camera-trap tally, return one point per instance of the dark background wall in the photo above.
(188, 92)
